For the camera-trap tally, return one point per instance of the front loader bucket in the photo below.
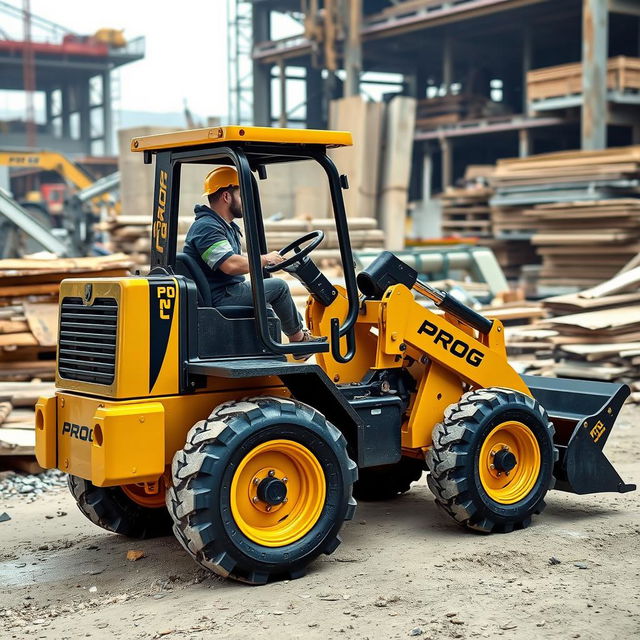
(583, 413)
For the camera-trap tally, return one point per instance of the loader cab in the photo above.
(248, 331)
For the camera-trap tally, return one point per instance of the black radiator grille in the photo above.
(87, 341)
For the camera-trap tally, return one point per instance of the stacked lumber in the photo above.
(17, 426)
(466, 212)
(29, 309)
(512, 254)
(131, 235)
(363, 232)
(563, 171)
(584, 243)
(564, 199)
(450, 109)
(623, 74)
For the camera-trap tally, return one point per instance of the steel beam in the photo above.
(261, 32)
(482, 127)
(595, 28)
(282, 86)
(314, 95)
(447, 162)
(22, 219)
(107, 113)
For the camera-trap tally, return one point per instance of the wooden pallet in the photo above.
(623, 74)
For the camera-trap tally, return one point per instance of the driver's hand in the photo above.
(273, 257)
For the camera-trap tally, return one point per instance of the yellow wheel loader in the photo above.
(172, 413)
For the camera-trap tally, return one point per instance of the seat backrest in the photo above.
(189, 268)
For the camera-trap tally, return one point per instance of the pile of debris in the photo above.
(29, 308)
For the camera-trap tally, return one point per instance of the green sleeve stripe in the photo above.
(207, 254)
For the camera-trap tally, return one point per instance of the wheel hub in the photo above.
(272, 491)
(504, 460)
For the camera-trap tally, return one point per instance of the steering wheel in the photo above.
(316, 238)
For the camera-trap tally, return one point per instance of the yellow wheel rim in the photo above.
(287, 467)
(137, 493)
(509, 463)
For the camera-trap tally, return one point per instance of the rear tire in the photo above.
(220, 516)
(389, 481)
(111, 509)
(477, 478)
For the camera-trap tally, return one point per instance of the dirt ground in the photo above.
(404, 569)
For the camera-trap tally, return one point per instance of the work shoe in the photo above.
(307, 337)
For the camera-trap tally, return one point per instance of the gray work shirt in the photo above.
(210, 241)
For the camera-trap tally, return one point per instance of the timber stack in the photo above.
(130, 235)
(29, 309)
(571, 204)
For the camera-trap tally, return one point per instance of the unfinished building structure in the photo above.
(494, 78)
(74, 71)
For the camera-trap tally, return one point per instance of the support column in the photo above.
(107, 113)
(527, 63)
(314, 97)
(427, 170)
(48, 110)
(595, 31)
(261, 32)
(447, 63)
(524, 143)
(84, 111)
(65, 110)
(447, 162)
(353, 49)
(282, 86)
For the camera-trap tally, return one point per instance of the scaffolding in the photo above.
(240, 66)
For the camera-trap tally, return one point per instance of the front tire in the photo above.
(491, 462)
(261, 489)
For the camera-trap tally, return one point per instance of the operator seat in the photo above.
(188, 267)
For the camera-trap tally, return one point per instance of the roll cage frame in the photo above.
(247, 157)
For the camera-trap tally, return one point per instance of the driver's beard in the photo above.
(236, 209)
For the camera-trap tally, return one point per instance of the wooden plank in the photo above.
(17, 340)
(43, 322)
(17, 442)
(11, 326)
(28, 290)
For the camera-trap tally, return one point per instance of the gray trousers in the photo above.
(276, 293)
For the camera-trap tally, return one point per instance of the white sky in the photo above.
(186, 46)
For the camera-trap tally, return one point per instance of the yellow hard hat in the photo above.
(219, 178)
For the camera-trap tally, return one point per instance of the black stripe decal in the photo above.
(162, 304)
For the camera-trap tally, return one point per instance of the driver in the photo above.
(214, 242)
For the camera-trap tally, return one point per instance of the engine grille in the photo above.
(87, 341)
